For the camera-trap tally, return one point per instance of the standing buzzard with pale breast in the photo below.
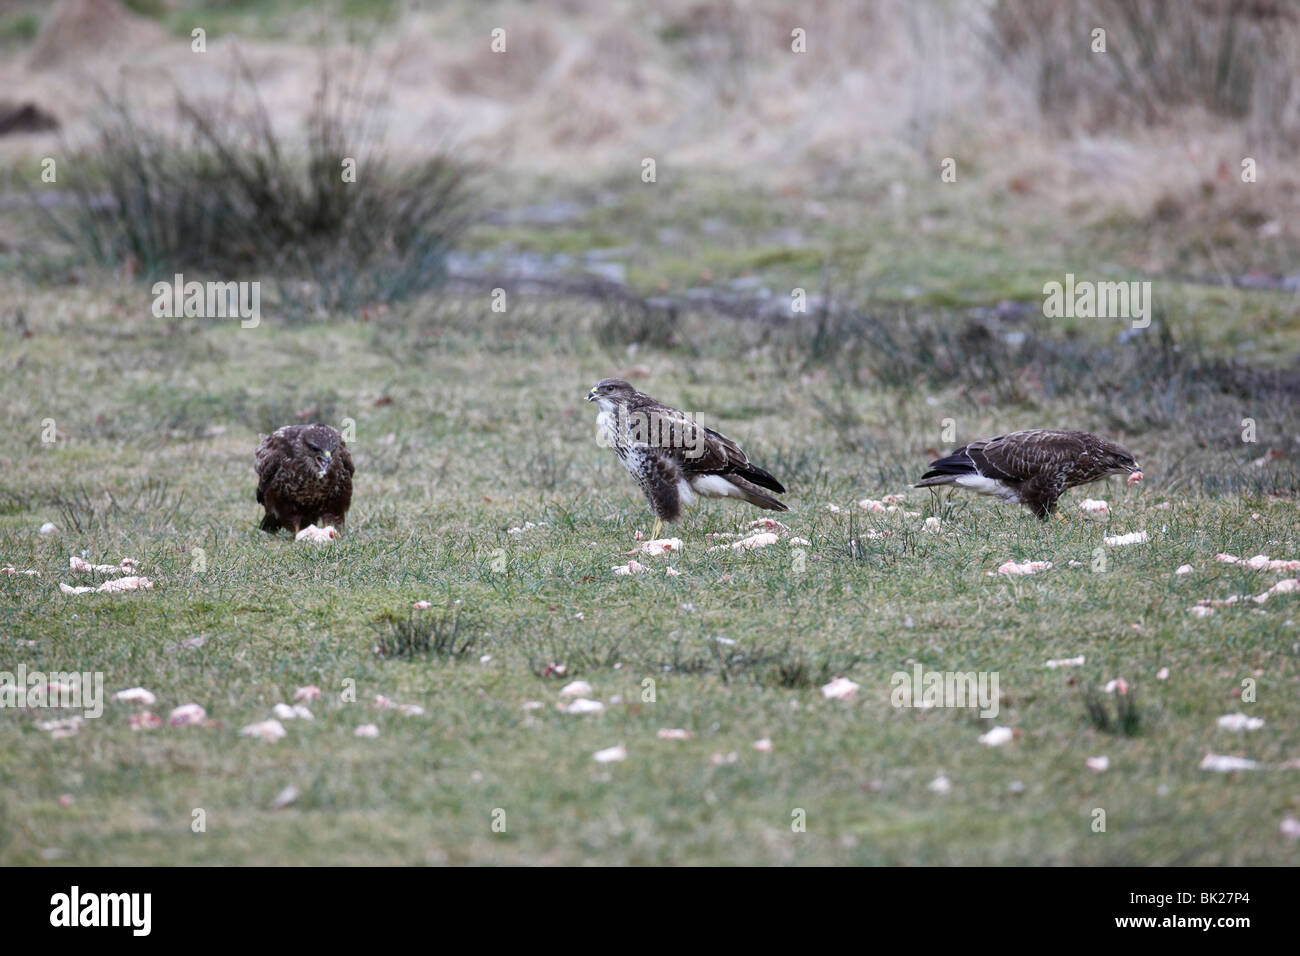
(674, 458)
(304, 477)
(1033, 467)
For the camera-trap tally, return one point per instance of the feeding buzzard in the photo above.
(674, 458)
(304, 477)
(1032, 467)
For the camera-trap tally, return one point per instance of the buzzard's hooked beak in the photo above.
(323, 462)
(591, 395)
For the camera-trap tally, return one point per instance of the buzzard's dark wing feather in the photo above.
(711, 453)
(270, 453)
(761, 478)
(976, 459)
(738, 463)
(1028, 453)
(1017, 456)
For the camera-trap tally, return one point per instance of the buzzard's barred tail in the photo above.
(757, 498)
(958, 463)
(933, 479)
(763, 479)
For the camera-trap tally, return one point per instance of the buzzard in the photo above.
(304, 477)
(672, 457)
(1032, 467)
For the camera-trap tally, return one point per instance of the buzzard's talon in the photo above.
(658, 529)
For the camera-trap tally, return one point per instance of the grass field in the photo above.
(469, 423)
(480, 486)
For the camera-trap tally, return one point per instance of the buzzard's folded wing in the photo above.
(1038, 451)
(703, 451)
(1017, 456)
(266, 461)
(985, 457)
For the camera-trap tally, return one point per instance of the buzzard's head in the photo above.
(1119, 460)
(611, 391)
(317, 445)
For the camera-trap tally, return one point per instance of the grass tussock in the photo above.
(151, 502)
(447, 632)
(334, 222)
(1116, 713)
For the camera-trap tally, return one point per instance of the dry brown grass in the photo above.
(887, 89)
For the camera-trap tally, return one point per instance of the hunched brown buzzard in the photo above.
(304, 477)
(1032, 467)
(674, 458)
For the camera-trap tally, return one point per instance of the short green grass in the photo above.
(853, 237)
(469, 423)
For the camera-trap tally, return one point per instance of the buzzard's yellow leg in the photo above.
(659, 527)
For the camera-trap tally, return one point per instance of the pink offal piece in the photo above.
(1134, 477)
